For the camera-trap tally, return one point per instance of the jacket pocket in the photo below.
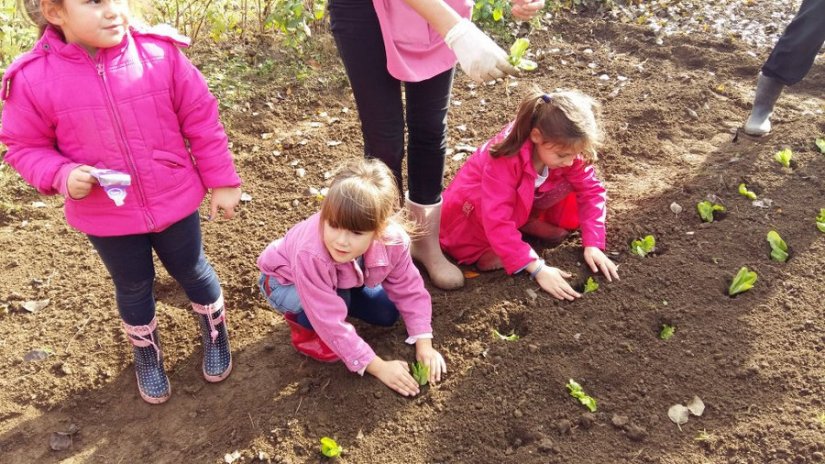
(170, 170)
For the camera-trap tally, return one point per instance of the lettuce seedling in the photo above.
(330, 448)
(820, 143)
(591, 285)
(643, 247)
(779, 250)
(510, 338)
(783, 157)
(421, 373)
(743, 190)
(667, 331)
(706, 210)
(516, 58)
(820, 221)
(576, 392)
(743, 281)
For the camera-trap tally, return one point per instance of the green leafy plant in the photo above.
(644, 246)
(516, 58)
(330, 448)
(485, 11)
(667, 331)
(820, 143)
(743, 281)
(591, 285)
(510, 338)
(706, 210)
(779, 249)
(577, 392)
(783, 157)
(820, 221)
(421, 373)
(743, 190)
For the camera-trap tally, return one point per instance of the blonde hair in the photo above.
(569, 119)
(33, 10)
(363, 197)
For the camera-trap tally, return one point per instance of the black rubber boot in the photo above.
(153, 384)
(768, 90)
(217, 356)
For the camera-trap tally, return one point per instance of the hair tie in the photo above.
(546, 98)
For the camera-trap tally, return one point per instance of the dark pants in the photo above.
(129, 261)
(380, 107)
(794, 53)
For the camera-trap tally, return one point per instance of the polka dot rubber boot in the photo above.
(153, 384)
(217, 356)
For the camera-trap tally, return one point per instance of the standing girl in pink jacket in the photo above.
(535, 177)
(352, 259)
(122, 124)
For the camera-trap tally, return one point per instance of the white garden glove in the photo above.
(478, 55)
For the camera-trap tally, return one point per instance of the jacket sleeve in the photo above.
(499, 190)
(31, 141)
(405, 288)
(591, 201)
(327, 312)
(197, 111)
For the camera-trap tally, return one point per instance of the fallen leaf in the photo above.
(678, 414)
(34, 306)
(60, 441)
(36, 355)
(696, 406)
(471, 274)
(245, 197)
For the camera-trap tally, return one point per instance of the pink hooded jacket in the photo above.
(140, 107)
(301, 259)
(415, 51)
(491, 198)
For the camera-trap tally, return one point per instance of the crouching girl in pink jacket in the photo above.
(121, 124)
(534, 177)
(352, 259)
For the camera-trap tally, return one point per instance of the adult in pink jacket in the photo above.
(534, 177)
(384, 43)
(96, 102)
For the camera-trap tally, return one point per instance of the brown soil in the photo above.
(756, 360)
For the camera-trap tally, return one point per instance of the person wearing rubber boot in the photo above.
(132, 184)
(789, 62)
(387, 43)
(352, 259)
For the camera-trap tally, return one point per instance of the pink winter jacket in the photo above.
(140, 107)
(415, 51)
(491, 198)
(301, 259)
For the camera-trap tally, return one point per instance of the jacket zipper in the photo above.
(125, 145)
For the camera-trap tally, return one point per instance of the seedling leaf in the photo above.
(779, 250)
(330, 448)
(421, 373)
(820, 221)
(577, 392)
(643, 247)
(743, 190)
(783, 157)
(591, 285)
(510, 338)
(743, 281)
(516, 58)
(820, 143)
(706, 210)
(667, 331)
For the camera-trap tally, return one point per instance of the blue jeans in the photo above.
(129, 261)
(370, 304)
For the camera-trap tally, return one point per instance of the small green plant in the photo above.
(516, 58)
(743, 190)
(820, 143)
(577, 392)
(644, 246)
(706, 210)
(820, 221)
(510, 338)
(421, 373)
(705, 437)
(743, 281)
(667, 331)
(591, 285)
(779, 249)
(783, 157)
(485, 11)
(330, 448)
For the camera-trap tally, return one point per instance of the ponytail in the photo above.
(522, 126)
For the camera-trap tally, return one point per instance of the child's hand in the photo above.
(552, 280)
(225, 198)
(598, 261)
(425, 354)
(394, 374)
(79, 183)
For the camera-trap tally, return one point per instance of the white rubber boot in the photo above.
(768, 90)
(426, 250)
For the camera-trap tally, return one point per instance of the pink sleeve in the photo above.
(591, 200)
(405, 288)
(327, 313)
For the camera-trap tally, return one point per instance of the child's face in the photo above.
(345, 245)
(92, 24)
(550, 154)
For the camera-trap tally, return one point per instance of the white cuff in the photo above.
(415, 338)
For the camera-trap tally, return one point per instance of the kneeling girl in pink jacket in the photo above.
(352, 259)
(535, 177)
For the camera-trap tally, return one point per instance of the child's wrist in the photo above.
(539, 266)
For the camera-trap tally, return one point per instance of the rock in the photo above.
(564, 426)
(587, 420)
(546, 445)
(518, 414)
(60, 441)
(636, 433)
(619, 420)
